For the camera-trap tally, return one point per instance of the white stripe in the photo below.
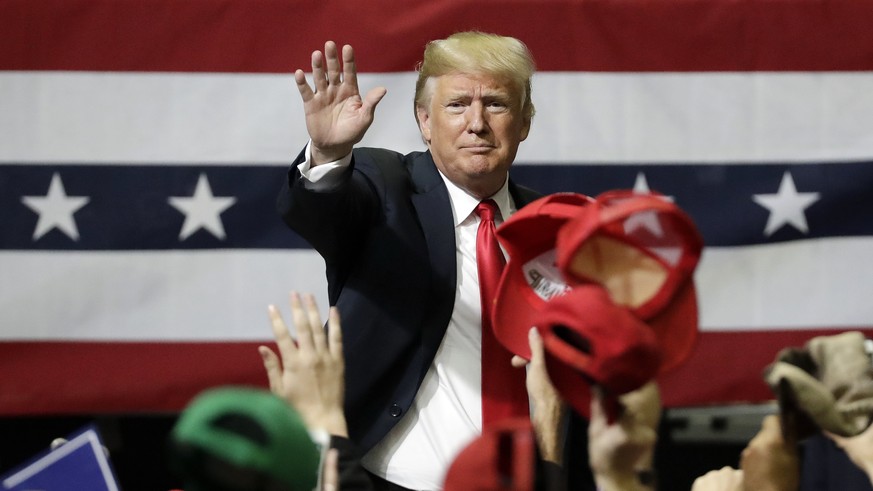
(166, 295)
(822, 283)
(59, 117)
(222, 295)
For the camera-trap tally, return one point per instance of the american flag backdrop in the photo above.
(142, 144)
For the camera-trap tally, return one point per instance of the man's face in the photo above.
(473, 125)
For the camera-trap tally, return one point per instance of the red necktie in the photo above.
(504, 394)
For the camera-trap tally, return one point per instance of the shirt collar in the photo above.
(463, 203)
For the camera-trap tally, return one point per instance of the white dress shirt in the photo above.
(446, 413)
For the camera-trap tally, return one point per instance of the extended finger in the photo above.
(518, 361)
(302, 86)
(287, 348)
(319, 340)
(301, 323)
(350, 69)
(330, 473)
(537, 351)
(318, 76)
(273, 369)
(333, 65)
(335, 333)
(598, 414)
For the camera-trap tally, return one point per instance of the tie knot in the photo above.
(486, 210)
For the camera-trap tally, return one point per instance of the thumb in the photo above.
(518, 361)
(373, 97)
(537, 350)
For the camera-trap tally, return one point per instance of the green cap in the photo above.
(259, 437)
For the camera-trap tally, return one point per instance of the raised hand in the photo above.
(310, 375)
(548, 407)
(619, 451)
(336, 115)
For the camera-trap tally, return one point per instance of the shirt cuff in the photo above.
(325, 176)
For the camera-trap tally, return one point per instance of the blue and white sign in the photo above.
(78, 464)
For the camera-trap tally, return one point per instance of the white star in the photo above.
(55, 209)
(645, 219)
(202, 210)
(641, 186)
(786, 206)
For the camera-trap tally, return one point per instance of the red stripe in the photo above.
(728, 367)
(85, 377)
(74, 377)
(572, 35)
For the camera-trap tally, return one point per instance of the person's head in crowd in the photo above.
(473, 106)
(243, 439)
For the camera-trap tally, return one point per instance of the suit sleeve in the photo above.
(331, 220)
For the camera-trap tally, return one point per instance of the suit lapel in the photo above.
(522, 195)
(434, 211)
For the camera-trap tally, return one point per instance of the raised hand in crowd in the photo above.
(309, 375)
(622, 454)
(548, 409)
(859, 449)
(336, 115)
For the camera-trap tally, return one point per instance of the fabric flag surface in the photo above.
(142, 145)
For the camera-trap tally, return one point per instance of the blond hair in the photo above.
(474, 52)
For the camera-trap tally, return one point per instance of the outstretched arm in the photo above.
(336, 116)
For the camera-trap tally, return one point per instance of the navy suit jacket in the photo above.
(387, 238)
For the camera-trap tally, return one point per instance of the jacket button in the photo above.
(395, 410)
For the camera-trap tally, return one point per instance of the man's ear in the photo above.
(423, 123)
(525, 130)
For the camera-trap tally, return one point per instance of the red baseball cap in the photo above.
(502, 458)
(589, 340)
(643, 250)
(531, 277)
